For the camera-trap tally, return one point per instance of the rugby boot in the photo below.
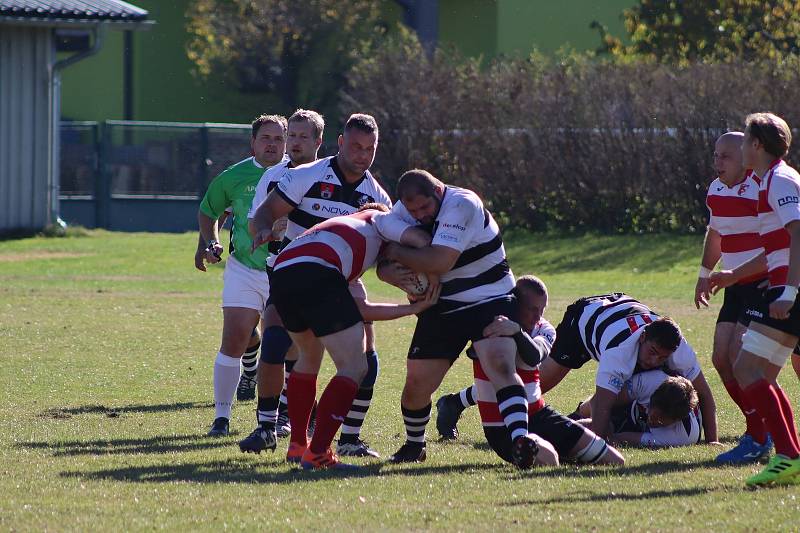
(448, 411)
(246, 390)
(325, 460)
(524, 450)
(410, 452)
(747, 451)
(219, 428)
(295, 452)
(259, 440)
(359, 448)
(780, 470)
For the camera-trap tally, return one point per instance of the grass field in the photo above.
(107, 344)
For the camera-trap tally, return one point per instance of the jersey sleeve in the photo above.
(712, 222)
(295, 184)
(390, 226)
(672, 435)
(644, 384)
(546, 331)
(261, 193)
(615, 368)
(684, 361)
(216, 200)
(784, 198)
(455, 225)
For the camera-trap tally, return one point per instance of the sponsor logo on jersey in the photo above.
(335, 210)
(315, 207)
(454, 226)
(326, 190)
(328, 177)
(788, 200)
(753, 312)
(447, 237)
(616, 382)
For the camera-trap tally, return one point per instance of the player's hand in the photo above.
(702, 292)
(715, 443)
(213, 253)
(396, 274)
(262, 237)
(501, 326)
(779, 309)
(720, 280)
(199, 259)
(280, 225)
(434, 283)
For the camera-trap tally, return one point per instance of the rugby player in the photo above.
(310, 291)
(557, 437)
(304, 138)
(654, 409)
(477, 285)
(775, 320)
(244, 292)
(732, 237)
(625, 337)
(312, 193)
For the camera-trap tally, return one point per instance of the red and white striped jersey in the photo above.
(778, 204)
(734, 215)
(349, 244)
(484, 390)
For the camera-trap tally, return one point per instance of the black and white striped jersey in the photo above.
(611, 326)
(481, 272)
(318, 191)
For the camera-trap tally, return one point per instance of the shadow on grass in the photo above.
(556, 254)
(69, 412)
(587, 497)
(154, 445)
(241, 470)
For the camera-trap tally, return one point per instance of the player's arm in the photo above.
(372, 312)
(725, 278)
(779, 309)
(202, 243)
(708, 408)
(434, 259)
(601, 404)
(627, 437)
(712, 251)
(261, 225)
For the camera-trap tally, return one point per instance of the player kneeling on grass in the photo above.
(557, 437)
(654, 409)
(310, 291)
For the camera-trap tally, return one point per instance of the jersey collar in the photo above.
(339, 174)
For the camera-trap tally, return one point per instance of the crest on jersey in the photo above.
(364, 199)
(326, 190)
(742, 188)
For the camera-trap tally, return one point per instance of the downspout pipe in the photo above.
(54, 168)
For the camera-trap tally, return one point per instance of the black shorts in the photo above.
(311, 296)
(758, 312)
(736, 300)
(569, 350)
(548, 423)
(441, 335)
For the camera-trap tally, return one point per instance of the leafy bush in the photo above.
(569, 143)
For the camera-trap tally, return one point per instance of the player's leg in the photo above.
(238, 324)
(346, 348)
(247, 381)
(350, 443)
(283, 426)
(448, 410)
(763, 346)
(302, 391)
(796, 364)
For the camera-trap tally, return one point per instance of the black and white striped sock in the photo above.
(283, 407)
(351, 428)
(513, 404)
(415, 421)
(250, 360)
(267, 412)
(467, 396)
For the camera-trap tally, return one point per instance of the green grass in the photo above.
(107, 349)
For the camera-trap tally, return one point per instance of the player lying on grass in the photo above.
(557, 437)
(653, 409)
(625, 337)
(310, 291)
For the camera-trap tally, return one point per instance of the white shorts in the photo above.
(244, 287)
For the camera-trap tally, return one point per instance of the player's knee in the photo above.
(274, 344)
(499, 364)
(373, 369)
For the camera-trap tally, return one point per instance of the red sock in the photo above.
(786, 407)
(764, 397)
(301, 391)
(755, 424)
(333, 406)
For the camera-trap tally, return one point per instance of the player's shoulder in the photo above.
(461, 199)
(786, 172)
(716, 187)
(545, 329)
(276, 171)
(314, 168)
(245, 166)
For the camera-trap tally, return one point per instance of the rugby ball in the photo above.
(418, 285)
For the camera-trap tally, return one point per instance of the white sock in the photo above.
(226, 378)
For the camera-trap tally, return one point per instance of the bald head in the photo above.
(728, 157)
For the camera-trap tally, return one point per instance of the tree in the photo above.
(298, 50)
(681, 31)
